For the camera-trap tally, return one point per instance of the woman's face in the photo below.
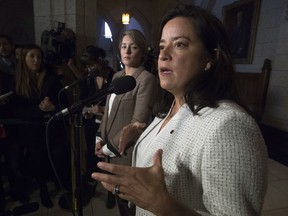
(33, 60)
(130, 53)
(182, 55)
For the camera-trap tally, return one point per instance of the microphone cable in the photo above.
(53, 166)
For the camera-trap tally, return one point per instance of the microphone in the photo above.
(93, 73)
(120, 85)
(4, 96)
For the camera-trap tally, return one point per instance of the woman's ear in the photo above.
(212, 59)
(216, 54)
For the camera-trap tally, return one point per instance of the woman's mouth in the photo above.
(165, 71)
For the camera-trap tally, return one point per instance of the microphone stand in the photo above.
(77, 121)
(76, 110)
(74, 199)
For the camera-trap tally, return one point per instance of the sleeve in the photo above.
(144, 100)
(27, 110)
(105, 147)
(234, 168)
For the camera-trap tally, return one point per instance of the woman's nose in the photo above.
(37, 59)
(164, 55)
(128, 50)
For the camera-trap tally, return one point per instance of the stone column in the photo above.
(78, 15)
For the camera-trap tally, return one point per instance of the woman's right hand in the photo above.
(89, 112)
(98, 150)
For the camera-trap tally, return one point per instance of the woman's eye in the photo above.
(161, 47)
(179, 44)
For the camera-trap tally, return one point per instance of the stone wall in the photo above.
(16, 19)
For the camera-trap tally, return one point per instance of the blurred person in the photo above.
(17, 51)
(7, 57)
(94, 62)
(205, 155)
(125, 110)
(93, 75)
(8, 146)
(69, 74)
(7, 65)
(7, 70)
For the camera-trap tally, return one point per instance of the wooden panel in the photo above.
(252, 89)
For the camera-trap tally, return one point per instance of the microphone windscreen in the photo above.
(25, 209)
(123, 84)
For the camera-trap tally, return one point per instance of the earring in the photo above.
(208, 66)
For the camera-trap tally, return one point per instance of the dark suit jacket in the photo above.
(127, 108)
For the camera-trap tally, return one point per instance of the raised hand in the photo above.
(145, 187)
(128, 133)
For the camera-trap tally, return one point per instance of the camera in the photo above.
(58, 45)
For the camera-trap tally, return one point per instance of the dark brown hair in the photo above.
(218, 82)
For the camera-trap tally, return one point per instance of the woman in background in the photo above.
(126, 109)
(95, 64)
(35, 102)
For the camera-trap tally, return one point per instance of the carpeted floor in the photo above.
(277, 143)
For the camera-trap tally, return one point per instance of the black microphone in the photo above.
(4, 96)
(25, 209)
(93, 73)
(119, 86)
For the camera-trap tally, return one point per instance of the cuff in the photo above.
(98, 139)
(107, 152)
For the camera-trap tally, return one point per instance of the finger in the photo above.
(123, 140)
(140, 125)
(100, 155)
(106, 178)
(113, 168)
(121, 146)
(120, 192)
(107, 186)
(102, 177)
(157, 159)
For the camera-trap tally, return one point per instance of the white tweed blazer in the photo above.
(215, 163)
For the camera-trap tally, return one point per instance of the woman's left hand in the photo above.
(46, 105)
(128, 133)
(145, 187)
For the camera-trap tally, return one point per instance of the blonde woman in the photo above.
(126, 109)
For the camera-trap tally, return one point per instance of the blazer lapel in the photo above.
(114, 111)
(117, 101)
